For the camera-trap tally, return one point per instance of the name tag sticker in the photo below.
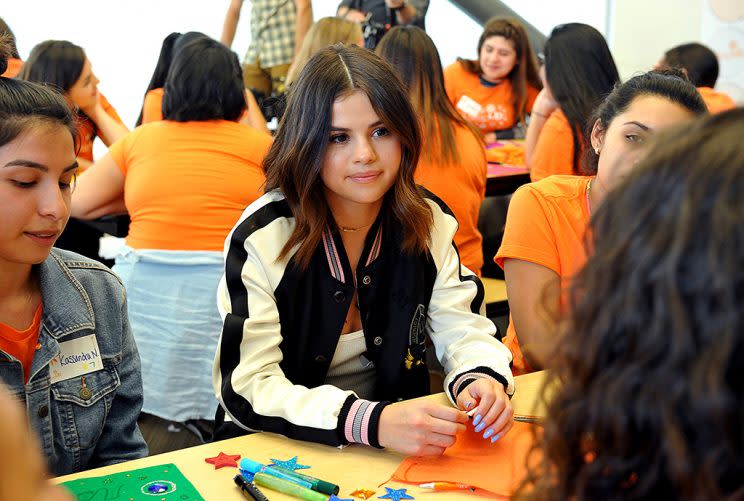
(469, 106)
(76, 358)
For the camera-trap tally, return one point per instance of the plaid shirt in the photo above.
(272, 32)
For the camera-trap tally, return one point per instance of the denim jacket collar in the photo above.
(67, 307)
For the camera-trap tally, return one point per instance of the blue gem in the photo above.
(158, 488)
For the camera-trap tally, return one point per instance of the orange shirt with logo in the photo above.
(545, 225)
(88, 132)
(22, 344)
(554, 151)
(462, 186)
(489, 108)
(187, 183)
(715, 100)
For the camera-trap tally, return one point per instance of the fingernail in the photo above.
(468, 404)
(480, 427)
(488, 433)
(477, 420)
(496, 437)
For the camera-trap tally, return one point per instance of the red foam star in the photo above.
(223, 460)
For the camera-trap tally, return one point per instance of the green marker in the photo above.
(317, 484)
(288, 488)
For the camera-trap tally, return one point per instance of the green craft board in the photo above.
(132, 486)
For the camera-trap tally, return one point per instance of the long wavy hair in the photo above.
(295, 159)
(651, 401)
(524, 73)
(580, 71)
(415, 57)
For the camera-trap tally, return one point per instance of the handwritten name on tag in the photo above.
(76, 358)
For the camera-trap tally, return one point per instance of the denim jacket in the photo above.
(81, 429)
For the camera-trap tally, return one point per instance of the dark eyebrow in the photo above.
(36, 165)
(343, 129)
(639, 124)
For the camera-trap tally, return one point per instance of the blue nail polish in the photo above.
(480, 427)
(477, 420)
(488, 433)
(496, 437)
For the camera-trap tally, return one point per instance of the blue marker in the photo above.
(253, 467)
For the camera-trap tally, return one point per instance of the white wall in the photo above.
(642, 30)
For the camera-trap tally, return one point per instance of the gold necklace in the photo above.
(348, 229)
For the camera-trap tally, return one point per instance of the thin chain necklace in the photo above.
(348, 229)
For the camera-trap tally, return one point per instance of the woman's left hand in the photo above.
(493, 413)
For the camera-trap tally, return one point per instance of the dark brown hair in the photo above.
(670, 84)
(651, 400)
(413, 54)
(524, 72)
(295, 159)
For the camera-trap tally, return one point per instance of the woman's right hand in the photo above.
(420, 427)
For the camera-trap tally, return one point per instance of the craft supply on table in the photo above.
(163, 482)
(249, 490)
(287, 487)
(221, 460)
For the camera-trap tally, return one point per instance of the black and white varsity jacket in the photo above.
(281, 325)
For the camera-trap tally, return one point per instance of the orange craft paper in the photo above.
(499, 467)
(509, 153)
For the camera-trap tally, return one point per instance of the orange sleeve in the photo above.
(120, 149)
(528, 234)
(110, 109)
(152, 108)
(453, 82)
(532, 93)
(554, 151)
(14, 68)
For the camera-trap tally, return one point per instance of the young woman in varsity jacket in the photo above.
(337, 276)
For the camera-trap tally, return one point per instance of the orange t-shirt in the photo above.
(187, 183)
(152, 108)
(13, 69)
(22, 344)
(554, 151)
(462, 187)
(545, 225)
(716, 101)
(88, 132)
(489, 108)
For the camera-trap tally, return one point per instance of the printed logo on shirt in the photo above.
(76, 358)
(489, 117)
(416, 338)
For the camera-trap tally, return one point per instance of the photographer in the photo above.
(378, 16)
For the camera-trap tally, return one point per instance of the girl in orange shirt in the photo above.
(701, 66)
(152, 106)
(64, 65)
(579, 71)
(543, 245)
(184, 181)
(453, 162)
(498, 89)
(652, 365)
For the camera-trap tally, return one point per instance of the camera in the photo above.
(373, 32)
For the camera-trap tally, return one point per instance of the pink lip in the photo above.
(45, 238)
(365, 177)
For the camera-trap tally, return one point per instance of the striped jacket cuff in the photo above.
(359, 421)
(459, 383)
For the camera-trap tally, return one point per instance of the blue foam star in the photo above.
(336, 498)
(396, 494)
(290, 464)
